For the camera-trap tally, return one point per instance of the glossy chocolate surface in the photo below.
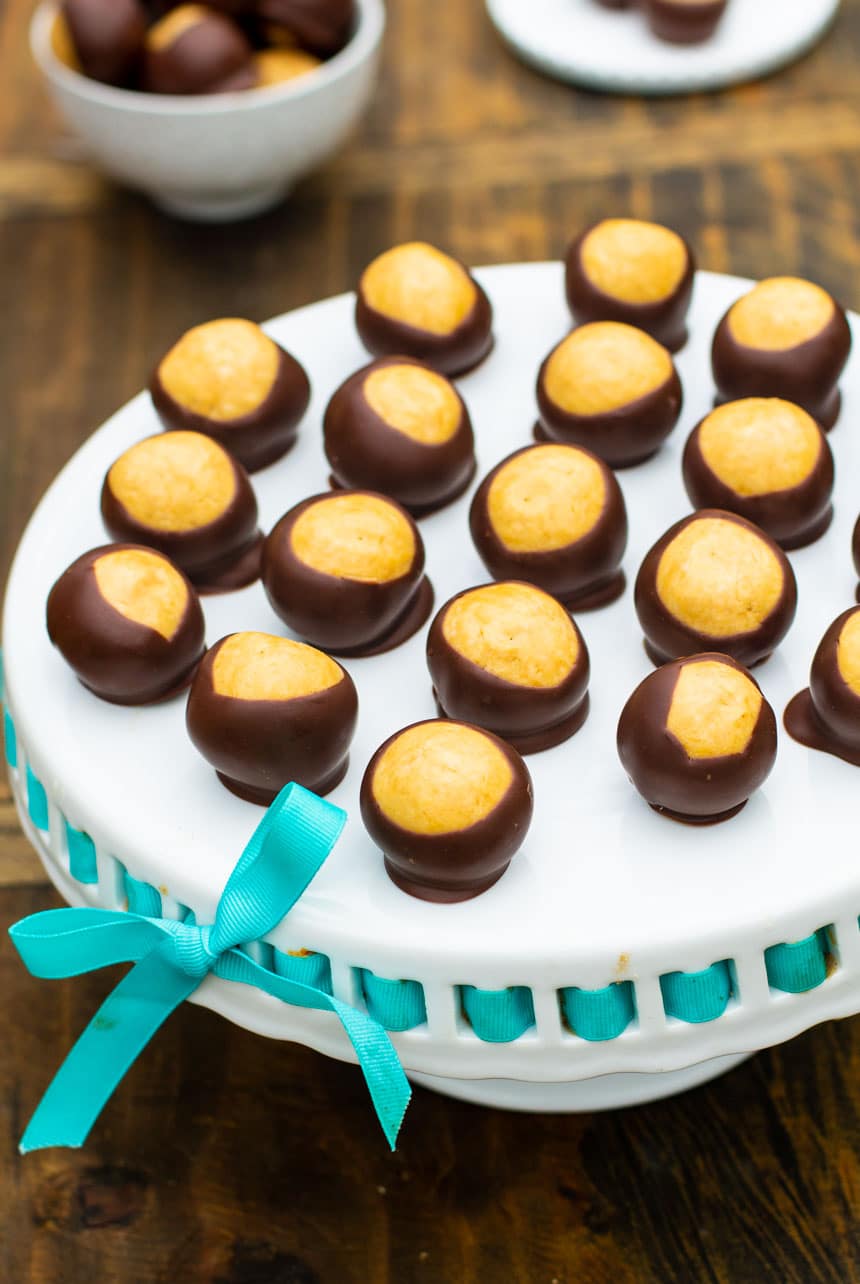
(806, 374)
(258, 746)
(221, 555)
(794, 517)
(343, 616)
(684, 23)
(366, 453)
(664, 320)
(826, 715)
(458, 865)
(118, 659)
(322, 27)
(453, 353)
(582, 575)
(696, 790)
(211, 55)
(667, 637)
(107, 36)
(258, 438)
(529, 718)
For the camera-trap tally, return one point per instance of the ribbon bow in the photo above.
(172, 958)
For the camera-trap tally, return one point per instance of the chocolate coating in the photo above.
(582, 575)
(459, 864)
(667, 637)
(664, 320)
(211, 55)
(684, 23)
(321, 26)
(256, 439)
(118, 659)
(806, 374)
(343, 616)
(826, 716)
(258, 746)
(107, 36)
(454, 353)
(530, 718)
(366, 452)
(695, 790)
(622, 437)
(221, 555)
(794, 517)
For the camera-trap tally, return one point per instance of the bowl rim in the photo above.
(359, 50)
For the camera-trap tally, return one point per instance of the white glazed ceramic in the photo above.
(614, 50)
(604, 889)
(217, 157)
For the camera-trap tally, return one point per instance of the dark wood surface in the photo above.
(228, 1159)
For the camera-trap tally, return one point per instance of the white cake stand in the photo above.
(581, 42)
(604, 890)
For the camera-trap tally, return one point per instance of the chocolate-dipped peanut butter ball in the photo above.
(104, 37)
(128, 622)
(229, 380)
(611, 388)
(826, 715)
(398, 427)
(277, 66)
(449, 805)
(715, 581)
(507, 657)
(697, 738)
(624, 269)
(553, 515)
(785, 338)
(414, 300)
(264, 711)
(346, 572)
(183, 494)
(684, 22)
(767, 460)
(195, 50)
(321, 26)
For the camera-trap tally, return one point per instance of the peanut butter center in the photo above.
(174, 24)
(780, 313)
(634, 261)
(144, 587)
(514, 631)
(258, 666)
(546, 498)
(175, 481)
(714, 709)
(222, 370)
(275, 66)
(760, 445)
(419, 286)
(848, 652)
(416, 402)
(603, 366)
(355, 537)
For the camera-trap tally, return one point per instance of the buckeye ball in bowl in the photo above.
(398, 427)
(264, 711)
(697, 738)
(507, 657)
(554, 515)
(345, 571)
(449, 805)
(767, 460)
(611, 388)
(629, 270)
(128, 622)
(715, 581)
(826, 715)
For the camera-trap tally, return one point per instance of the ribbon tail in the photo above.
(390, 1090)
(112, 1041)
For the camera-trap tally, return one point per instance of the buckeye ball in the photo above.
(196, 50)
(321, 26)
(697, 738)
(264, 711)
(183, 494)
(785, 338)
(398, 427)
(715, 581)
(102, 38)
(413, 300)
(684, 22)
(624, 269)
(611, 388)
(507, 657)
(826, 715)
(555, 516)
(346, 572)
(229, 380)
(449, 805)
(128, 622)
(767, 460)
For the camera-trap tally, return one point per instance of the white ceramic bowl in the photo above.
(216, 157)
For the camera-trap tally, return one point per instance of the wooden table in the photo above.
(229, 1159)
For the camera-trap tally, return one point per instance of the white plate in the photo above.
(581, 42)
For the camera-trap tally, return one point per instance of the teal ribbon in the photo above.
(172, 958)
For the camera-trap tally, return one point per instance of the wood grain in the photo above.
(227, 1159)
